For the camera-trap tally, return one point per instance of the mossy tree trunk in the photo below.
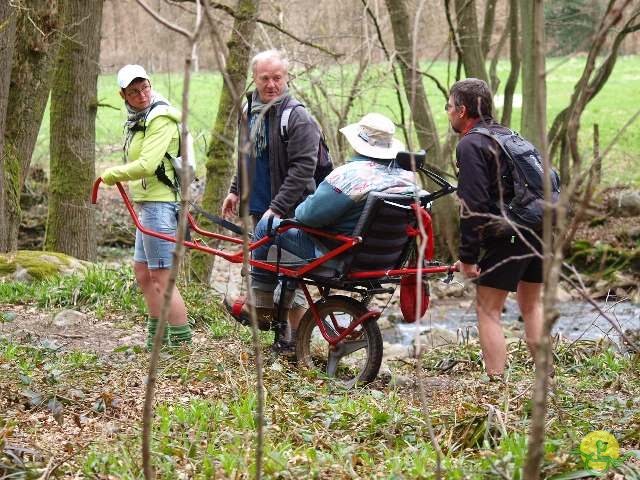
(70, 223)
(36, 44)
(8, 15)
(445, 211)
(221, 161)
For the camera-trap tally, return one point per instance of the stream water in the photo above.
(578, 320)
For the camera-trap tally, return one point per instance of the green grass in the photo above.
(611, 109)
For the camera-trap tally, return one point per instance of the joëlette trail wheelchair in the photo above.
(339, 332)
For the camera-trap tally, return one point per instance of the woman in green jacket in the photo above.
(151, 131)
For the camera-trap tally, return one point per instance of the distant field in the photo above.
(611, 109)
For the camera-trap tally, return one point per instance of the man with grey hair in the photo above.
(279, 170)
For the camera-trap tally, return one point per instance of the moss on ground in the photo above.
(39, 265)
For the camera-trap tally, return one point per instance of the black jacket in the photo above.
(292, 164)
(483, 180)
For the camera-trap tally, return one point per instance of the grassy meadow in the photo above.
(611, 109)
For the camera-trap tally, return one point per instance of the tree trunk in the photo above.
(8, 15)
(33, 59)
(71, 223)
(413, 85)
(220, 157)
(487, 26)
(445, 211)
(534, 91)
(469, 38)
(514, 54)
(533, 51)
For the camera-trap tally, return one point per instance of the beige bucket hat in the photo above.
(373, 137)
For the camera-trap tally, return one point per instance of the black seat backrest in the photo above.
(383, 228)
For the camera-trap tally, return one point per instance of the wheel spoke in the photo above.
(330, 330)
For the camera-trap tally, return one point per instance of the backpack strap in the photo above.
(284, 118)
(488, 133)
(160, 173)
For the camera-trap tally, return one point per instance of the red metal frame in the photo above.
(298, 272)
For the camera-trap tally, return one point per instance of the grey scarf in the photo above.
(136, 116)
(259, 110)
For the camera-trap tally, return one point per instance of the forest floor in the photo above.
(72, 389)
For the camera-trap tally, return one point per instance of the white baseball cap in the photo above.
(129, 73)
(373, 137)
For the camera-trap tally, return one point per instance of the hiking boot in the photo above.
(284, 348)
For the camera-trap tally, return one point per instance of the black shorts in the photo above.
(508, 260)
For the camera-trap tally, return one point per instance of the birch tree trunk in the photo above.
(70, 223)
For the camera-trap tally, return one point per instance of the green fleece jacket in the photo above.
(146, 151)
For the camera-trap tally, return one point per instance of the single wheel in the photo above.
(357, 358)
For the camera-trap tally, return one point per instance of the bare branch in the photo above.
(164, 22)
(178, 254)
(231, 12)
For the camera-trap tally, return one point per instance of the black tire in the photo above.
(354, 360)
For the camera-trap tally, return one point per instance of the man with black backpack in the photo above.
(500, 190)
(279, 143)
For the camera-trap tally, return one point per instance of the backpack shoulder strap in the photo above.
(142, 126)
(497, 138)
(284, 118)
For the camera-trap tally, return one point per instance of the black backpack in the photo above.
(324, 165)
(526, 169)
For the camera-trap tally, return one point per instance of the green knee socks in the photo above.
(152, 327)
(173, 335)
(179, 334)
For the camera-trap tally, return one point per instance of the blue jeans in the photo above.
(160, 217)
(294, 240)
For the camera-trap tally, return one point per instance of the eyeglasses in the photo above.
(448, 106)
(134, 92)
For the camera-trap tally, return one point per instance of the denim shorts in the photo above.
(160, 217)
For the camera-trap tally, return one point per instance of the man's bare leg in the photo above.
(489, 303)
